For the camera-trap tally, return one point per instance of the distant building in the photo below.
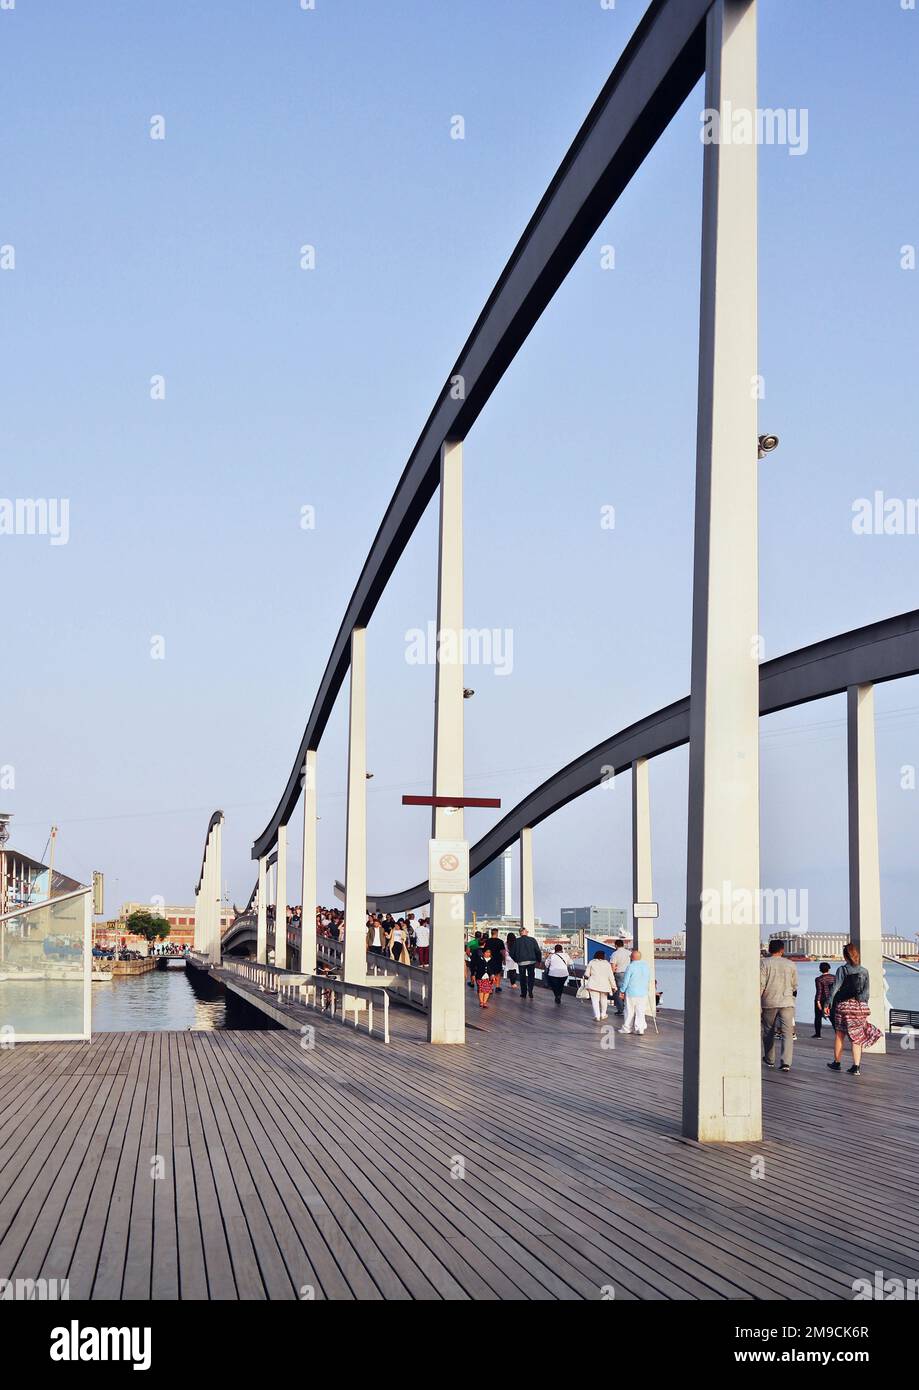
(828, 945)
(596, 921)
(489, 895)
(181, 923)
(24, 880)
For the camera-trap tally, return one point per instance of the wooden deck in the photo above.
(335, 1169)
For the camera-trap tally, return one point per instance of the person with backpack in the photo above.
(848, 1010)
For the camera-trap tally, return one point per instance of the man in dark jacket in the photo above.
(496, 946)
(527, 954)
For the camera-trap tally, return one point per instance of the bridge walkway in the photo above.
(531, 1163)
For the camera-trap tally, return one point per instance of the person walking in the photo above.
(376, 936)
(778, 985)
(496, 946)
(510, 965)
(635, 985)
(620, 963)
(557, 971)
(527, 955)
(472, 957)
(823, 984)
(484, 980)
(600, 982)
(397, 941)
(423, 942)
(496, 961)
(847, 1008)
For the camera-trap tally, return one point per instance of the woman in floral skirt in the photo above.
(847, 1008)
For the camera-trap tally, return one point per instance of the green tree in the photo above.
(148, 925)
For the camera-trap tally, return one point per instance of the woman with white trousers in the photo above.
(600, 983)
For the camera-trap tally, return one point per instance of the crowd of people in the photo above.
(406, 940)
(843, 998)
(493, 962)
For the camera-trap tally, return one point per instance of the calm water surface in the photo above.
(174, 998)
(902, 985)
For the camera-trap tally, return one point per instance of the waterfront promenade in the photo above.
(531, 1164)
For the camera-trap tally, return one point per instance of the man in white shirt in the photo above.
(422, 941)
(620, 960)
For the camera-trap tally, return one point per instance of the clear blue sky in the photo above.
(287, 388)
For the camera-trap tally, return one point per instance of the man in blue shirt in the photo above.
(634, 990)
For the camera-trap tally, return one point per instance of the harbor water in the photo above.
(902, 985)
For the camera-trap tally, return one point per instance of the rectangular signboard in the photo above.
(645, 910)
(448, 866)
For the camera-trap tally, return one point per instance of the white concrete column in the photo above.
(261, 939)
(355, 948)
(722, 1084)
(280, 906)
(527, 891)
(204, 898)
(643, 928)
(308, 882)
(864, 857)
(197, 942)
(447, 1013)
(215, 859)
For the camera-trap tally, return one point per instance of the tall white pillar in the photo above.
(308, 883)
(197, 941)
(447, 1012)
(280, 908)
(216, 870)
(642, 886)
(722, 1084)
(261, 938)
(355, 948)
(527, 892)
(204, 898)
(864, 857)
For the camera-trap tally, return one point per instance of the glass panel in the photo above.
(44, 971)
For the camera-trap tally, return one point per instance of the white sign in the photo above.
(645, 910)
(448, 866)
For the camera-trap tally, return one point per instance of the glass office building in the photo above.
(490, 890)
(596, 921)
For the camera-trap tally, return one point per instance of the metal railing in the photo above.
(317, 992)
(264, 977)
(320, 992)
(407, 983)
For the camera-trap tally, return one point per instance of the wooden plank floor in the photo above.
(534, 1163)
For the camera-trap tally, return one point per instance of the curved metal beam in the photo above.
(214, 820)
(884, 651)
(661, 64)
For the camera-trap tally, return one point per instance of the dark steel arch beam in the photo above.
(884, 651)
(661, 64)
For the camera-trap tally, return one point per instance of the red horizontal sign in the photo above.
(451, 801)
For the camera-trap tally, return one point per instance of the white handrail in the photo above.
(895, 960)
(319, 992)
(314, 991)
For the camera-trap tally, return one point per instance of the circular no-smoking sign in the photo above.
(449, 863)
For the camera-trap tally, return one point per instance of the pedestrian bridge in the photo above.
(298, 1166)
(677, 43)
